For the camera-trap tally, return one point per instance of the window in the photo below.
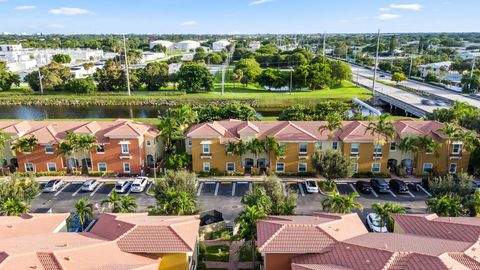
(319, 145)
(189, 143)
(126, 167)
(48, 149)
(377, 149)
(334, 145)
(51, 167)
(393, 146)
(427, 167)
(280, 167)
(453, 168)
(206, 166)
(149, 143)
(124, 148)
(376, 167)
(303, 148)
(29, 167)
(457, 148)
(230, 166)
(102, 167)
(100, 149)
(206, 148)
(355, 149)
(355, 167)
(302, 167)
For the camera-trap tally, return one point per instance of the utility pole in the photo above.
(376, 64)
(471, 74)
(126, 65)
(324, 37)
(346, 49)
(410, 69)
(40, 80)
(223, 80)
(291, 79)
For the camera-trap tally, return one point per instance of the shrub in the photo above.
(371, 175)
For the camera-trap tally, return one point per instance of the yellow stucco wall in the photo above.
(174, 262)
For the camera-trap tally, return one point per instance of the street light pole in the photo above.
(126, 65)
(471, 74)
(324, 37)
(291, 79)
(410, 69)
(40, 80)
(376, 64)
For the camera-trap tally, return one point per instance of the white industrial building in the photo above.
(439, 69)
(152, 56)
(187, 45)
(220, 45)
(165, 43)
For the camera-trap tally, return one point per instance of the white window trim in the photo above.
(148, 143)
(427, 164)
(300, 148)
(98, 166)
(128, 149)
(189, 143)
(450, 167)
(129, 167)
(33, 166)
(226, 166)
(335, 148)
(379, 167)
(351, 149)
(203, 149)
(375, 149)
(356, 167)
(306, 167)
(276, 166)
(459, 148)
(209, 168)
(49, 153)
(54, 164)
(396, 147)
(100, 153)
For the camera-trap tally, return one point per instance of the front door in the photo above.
(248, 165)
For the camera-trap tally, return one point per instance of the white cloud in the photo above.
(188, 23)
(259, 2)
(388, 16)
(24, 7)
(384, 9)
(414, 7)
(56, 25)
(70, 11)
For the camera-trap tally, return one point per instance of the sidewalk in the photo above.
(234, 256)
(75, 178)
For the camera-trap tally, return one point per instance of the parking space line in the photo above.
(393, 194)
(199, 189)
(58, 192)
(95, 191)
(129, 190)
(411, 194)
(374, 193)
(233, 188)
(353, 187)
(424, 190)
(284, 188)
(216, 189)
(250, 186)
(301, 189)
(76, 192)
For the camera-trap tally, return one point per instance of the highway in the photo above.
(445, 94)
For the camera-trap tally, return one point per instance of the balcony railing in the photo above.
(354, 155)
(302, 155)
(456, 155)
(377, 155)
(206, 155)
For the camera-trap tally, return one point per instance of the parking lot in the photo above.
(63, 199)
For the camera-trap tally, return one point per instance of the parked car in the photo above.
(428, 102)
(380, 185)
(53, 185)
(90, 185)
(439, 102)
(121, 186)
(312, 186)
(398, 186)
(375, 223)
(139, 184)
(364, 187)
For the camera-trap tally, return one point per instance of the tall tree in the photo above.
(66, 150)
(83, 209)
(85, 143)
(272, 146)
(385, 211)
(451, 132)
(341, 204)
(7, 78)
(332, 165)
(256, 147)
(113, 201)
(194, 77)
(127, 204)
(382, 127)
(448, 205)
(250, 70)
(25, 145)
(334, 123)
(248, 226)
(155, 75)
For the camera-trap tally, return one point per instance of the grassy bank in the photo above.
(252, 94)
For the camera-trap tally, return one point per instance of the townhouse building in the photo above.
(122, 146)
(207, 143)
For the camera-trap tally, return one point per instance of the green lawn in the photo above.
(246, 254)
(217, 253)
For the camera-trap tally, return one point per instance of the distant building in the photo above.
(220, 45)
(152, 56)
(254, 45)
(468, 55)
(436, 68)
(165, 43)
(187, 45)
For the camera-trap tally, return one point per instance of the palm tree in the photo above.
(473, 204)
(231, 145)
(427, 144)
(25, 145)
(382, 127)
(448, 205)
(341, 204)
(271, 145)
(334, 122)
(248, 226)
(174, 123)
(127, 204)
(14, 207)
(85, 143)
(83, 208)
(470, 140)
(113, 202)
(407, 144)
(175, 203)
(66, 149)
(241, 148)
(451, 132)
(3, 140)
(256, 147)
(385, 211)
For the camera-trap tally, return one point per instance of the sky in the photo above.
(237, 16)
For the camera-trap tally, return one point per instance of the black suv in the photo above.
(398, 186)
(364, 187)
(380, 185)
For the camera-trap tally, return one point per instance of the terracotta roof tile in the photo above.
(152, 239)
(465, 260)
(49, 261)
(413, 261)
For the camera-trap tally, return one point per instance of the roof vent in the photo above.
(386, 246)
(67, 258)
(34, 267)
(10, 226)
(119, 225)
(348, 247)
(367, 261)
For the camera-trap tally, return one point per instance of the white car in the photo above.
(312, 186)
(122, 186)
(53, 185)
(139, 184)
(375, 223)
(90, 185)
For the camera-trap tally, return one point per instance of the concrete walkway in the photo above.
(234, 256)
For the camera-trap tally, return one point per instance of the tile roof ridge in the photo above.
(303, 130)
(180, 237)
(393, 258)
(282, 227)
(52, 132)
